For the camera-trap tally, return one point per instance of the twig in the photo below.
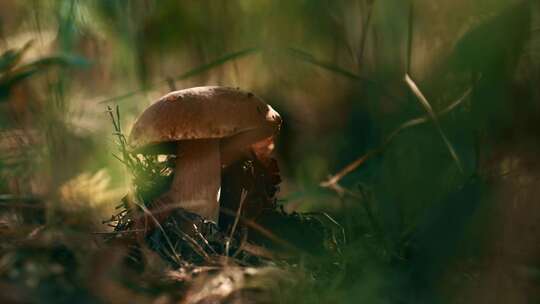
(333, 182)
(258, 251)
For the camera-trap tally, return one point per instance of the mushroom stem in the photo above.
(197, 178)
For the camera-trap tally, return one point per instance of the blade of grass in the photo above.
(424, 119)
(22, 72)
(193, 72)
(427, 106)
(176, 256)
(298, 54)
(243, 196)
(365, 28)
(11, 58)
(308, 58)
(333, 181)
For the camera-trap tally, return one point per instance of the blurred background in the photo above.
(444, 209)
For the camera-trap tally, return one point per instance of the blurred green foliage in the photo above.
(418, 230)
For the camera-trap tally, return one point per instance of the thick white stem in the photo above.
(197, 178)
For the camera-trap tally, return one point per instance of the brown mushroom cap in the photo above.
(202, 113)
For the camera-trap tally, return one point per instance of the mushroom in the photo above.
(211, 127)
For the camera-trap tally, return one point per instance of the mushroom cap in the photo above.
(201, 113)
